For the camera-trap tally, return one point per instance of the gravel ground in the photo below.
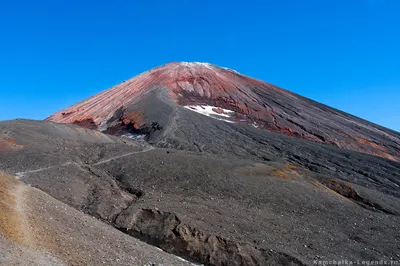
(45, 231)
(210, 191)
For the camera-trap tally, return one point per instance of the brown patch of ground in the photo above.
(283, 171)
(328, 190)
(279, 173)
(290, 166)
(8, 144)
(10, 226)
(341, 188)
(370, 143)
(346, 191)
(380, 151)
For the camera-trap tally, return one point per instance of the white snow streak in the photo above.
(212, 111)
(198, 64)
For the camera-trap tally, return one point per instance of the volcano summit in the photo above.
(206, 164)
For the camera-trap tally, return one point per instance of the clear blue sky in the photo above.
(344, 53)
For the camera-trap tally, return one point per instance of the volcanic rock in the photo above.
(255, 103)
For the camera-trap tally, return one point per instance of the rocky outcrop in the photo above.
(349, 192)
(165, 230)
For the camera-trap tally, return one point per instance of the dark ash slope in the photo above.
(216, 193)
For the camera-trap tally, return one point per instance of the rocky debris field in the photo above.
(211, 192)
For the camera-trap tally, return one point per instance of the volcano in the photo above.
(227, 95)
(206, 164)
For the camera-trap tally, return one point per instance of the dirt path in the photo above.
(20, 175)
(124, 155)
(20, 191)
(17, 242)
(13, 222)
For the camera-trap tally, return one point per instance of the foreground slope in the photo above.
(214, 206)
(36, 229)
(221, 93)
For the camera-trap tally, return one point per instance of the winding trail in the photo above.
(22, 174)
(124, 155)
(19, 175)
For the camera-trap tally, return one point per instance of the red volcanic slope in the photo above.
(254, 102)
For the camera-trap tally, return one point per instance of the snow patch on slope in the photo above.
(212, 111)
(198, 64)
(232, 70)
(137, 137)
